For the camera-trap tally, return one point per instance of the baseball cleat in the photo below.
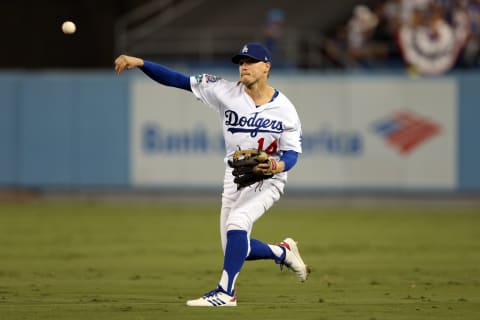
(293, 260)
(215, 298)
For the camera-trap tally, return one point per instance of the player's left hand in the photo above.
(271, 167)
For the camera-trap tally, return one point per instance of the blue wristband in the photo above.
(290, 158)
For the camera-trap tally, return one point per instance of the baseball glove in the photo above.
(246, 170)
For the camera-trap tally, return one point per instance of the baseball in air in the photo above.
(68, 27)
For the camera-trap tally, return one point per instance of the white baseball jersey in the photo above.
(272, 127)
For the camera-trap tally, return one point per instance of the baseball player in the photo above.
(254, 116)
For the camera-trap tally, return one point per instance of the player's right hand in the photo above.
(127, 62)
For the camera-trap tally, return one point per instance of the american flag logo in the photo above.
(406, 130)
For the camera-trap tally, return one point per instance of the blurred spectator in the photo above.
(359, 32)
(392, 13)
(365, 41)
(335, 49)
(273, 34)
(362, 45)
(466, 18)
(385, 33)
(368, 37)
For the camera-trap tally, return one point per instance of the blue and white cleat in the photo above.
(215, 298)
(293, 260)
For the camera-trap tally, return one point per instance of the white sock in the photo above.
(277, 250)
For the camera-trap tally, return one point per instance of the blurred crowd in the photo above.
(424, 36)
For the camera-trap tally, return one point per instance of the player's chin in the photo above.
(247, 80)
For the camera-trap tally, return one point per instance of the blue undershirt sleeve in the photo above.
(166, 76)
(290, 158)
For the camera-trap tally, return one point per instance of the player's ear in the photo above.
(267, 67)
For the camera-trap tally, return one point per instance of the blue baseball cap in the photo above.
(253, 50)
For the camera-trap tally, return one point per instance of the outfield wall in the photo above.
(373, 133)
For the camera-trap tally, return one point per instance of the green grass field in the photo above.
(143, 261)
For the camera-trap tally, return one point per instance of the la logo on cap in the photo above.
(245, 49)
